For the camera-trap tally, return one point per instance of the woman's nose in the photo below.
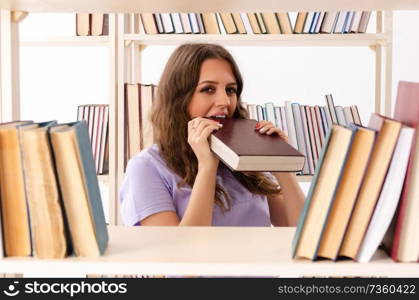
(223, 99)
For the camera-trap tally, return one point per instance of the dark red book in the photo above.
(242, 148)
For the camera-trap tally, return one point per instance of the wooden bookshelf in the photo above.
(208, 6)
(207, 251)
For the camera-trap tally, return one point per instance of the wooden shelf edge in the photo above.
(119, 6)
(264, 40)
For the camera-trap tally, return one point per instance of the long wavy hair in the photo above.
(170, 118)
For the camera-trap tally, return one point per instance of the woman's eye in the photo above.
(231, 90)
(208, 89)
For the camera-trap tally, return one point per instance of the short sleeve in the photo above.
(143, 191)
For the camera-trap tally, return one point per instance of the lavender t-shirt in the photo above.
(150, 187)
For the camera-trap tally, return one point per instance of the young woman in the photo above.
(179, 181)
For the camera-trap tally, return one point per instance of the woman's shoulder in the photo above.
(148, 158)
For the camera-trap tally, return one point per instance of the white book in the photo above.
(177, 23)
(340, 22)
(246, 23)
(389, 197)
(260, 112)
(220, 24)
(194, 23)
(284, 120)
(355, 22)
(159, 22)
(340, 115)
(331, 109)
(290, 124)
(319, 22)
(314, 22)
(200, 23)
(186, 24)
(363, 23)
(270, 113)
(300, 134)
(167, 23)
(278, 118)
(348, 21)
(329, 21)
(328, 117)
(348, 115)
(309, 20)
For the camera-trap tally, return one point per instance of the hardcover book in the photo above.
(242, 148)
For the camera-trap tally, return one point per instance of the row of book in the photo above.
(92, 24)
(248, 23)
(365, 192)
(50, 201)
(97, 118)
(138, 128)
(306, 126)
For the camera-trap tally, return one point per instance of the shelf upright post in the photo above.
(9, 65)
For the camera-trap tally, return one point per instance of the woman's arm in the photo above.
(201, 202)
(286, 207)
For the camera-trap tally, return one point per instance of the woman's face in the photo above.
(216, 92)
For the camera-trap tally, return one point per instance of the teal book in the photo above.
(80, 188)
(321, 193)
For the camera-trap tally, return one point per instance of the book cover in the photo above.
(50, 237)
(14, 208)
(371, 186)
(406, 240)
(347, 191)
(242, 148)
(321, 193)
(80, 188)
(389, 197)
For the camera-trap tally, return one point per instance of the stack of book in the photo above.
(97, 118)
(50, 201)
(92, 24)
(364, 175)
(248, 23)
(306, 126)
(138, 129)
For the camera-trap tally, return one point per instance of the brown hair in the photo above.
(170, 117)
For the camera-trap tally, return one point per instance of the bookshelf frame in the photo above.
(196, 251)
(125, 254)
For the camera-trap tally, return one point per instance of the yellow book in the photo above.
(346, 193)
(46, 217)
(16, 233)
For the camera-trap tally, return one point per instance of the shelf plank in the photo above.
(208, 6)
(66, 41)
(347, 40)
(206, 251)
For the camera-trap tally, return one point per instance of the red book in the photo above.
(242, 148)
(405, 241)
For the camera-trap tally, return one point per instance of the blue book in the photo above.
(80, 188)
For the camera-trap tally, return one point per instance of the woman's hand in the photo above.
(265, 127)
(199, 130)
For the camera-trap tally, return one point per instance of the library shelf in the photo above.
(207, 251)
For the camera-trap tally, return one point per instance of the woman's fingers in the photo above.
(266, 127)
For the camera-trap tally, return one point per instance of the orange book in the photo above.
(14, 209)
(370, 189)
